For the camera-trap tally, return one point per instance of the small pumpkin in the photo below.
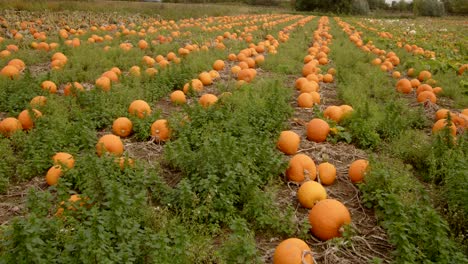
(293, 251)
(63, 158)
(357, 170)
(111, 144)
(53, 175)
(301, 167)
(288, 142)
(310, 193)
(122, 127)
(326, 173)
(317, 130)
(139, 108)
(9, 126)
(160, 130)
(25, 118)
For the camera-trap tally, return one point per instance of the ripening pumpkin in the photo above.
(9, 126)
(358, 170)
(424, 75)
(63, 158)
(38, 101)
(442, 113)
(73, 201)
(207, 100)
(334, 113)
(25, 118)
(205, 78)
(404, 86)
(53, 175)
(10, 71)
(218, 65)
(103, 83)
(139, 108)
(195, 85)
(441, 124)
(326, 173)
(427, 96)
(293, 251)
(178, 97)
(317, 130)
(327, 78)
(71, 89)
(327, 219)
(301, 167)
(305, 100)
(49, 86)
(160, 130)
(111, 144)
(124, 162)
(122, 127)
(288, 142)
(310, 193)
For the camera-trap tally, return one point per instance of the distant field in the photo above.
(136, 132)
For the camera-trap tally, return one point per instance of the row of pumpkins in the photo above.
(326, 216)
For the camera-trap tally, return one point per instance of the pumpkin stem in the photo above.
(306, 175)
(304, 254)
(341, 230)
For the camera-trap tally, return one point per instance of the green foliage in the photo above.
(227, 154)
(335, 6)
(240, 247)
(414, 227)
(428, 8)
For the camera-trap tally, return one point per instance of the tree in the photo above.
(334, 6)
(428, 8)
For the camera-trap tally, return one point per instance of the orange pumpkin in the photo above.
(160, 130)
(63, 158)
(288, 142)
(327, 218)
(9, 126)
(49, 86)
(441, 124)
(178, 97)
(305, 100)
(404, 86)
(293, 251)
(139, 108)
(357, 170)
(53, 175)
(111, 144)
(310, 193)
(122, 127)
(10, 71)
(207, 100)
(301, 167)
(25, 118)
(326, 173)
(334, 113)
(317, 130)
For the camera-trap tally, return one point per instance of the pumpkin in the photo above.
(111, 144)
(9, 126)
(396, 75)
(124, 162)
(178, 97)
(423, 87)
(195, 85)
(73, 201)
(437, 90)
(326, 173)
(10, 71)
(357, 170)
(347, 110)
(288, 142)
(317, 130)
(310, 193)
(327, 78)
(63, 158)
(218, 65)
(49, 86)
(207, 100)
(53, 175)
(25, 118)
(38, 101)
(111, 75)
(309, 86)
(427, 96)
(205, 78)
(246, 75)
(424, 75)
(441, 124)
(293, 251)
(71, 89)
(301, 167)
(442, 113)
(122, 127)
(334, 113)
(300, 82)
(18, 64)
(415, 83)
(316, 97)
(305, 100)
(160, 130)
(139, 108)
(103, 83)
(404, 86)
(327, 218)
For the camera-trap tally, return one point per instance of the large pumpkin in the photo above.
(160, 130)
(327, 218)
(139, 108)
(111, 144)
(310, 193)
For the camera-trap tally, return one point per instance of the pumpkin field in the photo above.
(250, 136)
